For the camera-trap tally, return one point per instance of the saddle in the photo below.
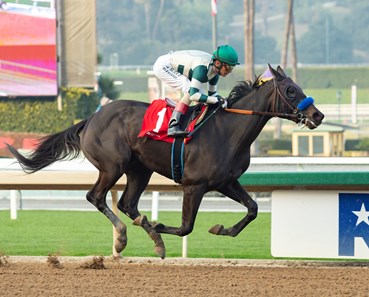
(157, 116)
(155, 126)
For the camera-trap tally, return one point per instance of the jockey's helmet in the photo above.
(226, 54)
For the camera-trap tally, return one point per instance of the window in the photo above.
(318, 145)
(303, 143)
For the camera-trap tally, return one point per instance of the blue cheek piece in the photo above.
(305, 103)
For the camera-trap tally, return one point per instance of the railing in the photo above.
(288, 174)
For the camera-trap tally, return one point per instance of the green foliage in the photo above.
(107, 87)
(352, 144)
(99, 58)
(357, 144)
(355, 24)
(33, 116)
(43, 116)
(326, 31)
(315, 45)
(86, 105)
(364, 144)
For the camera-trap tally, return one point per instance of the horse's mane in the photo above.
(242, 89)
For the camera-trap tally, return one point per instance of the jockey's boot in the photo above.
(174, 128)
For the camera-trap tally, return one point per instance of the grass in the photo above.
(329, 95)
(76, 233)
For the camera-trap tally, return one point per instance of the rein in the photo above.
(296, 115)
(269, 113)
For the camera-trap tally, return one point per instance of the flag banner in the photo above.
(214, 8)
(320, 224)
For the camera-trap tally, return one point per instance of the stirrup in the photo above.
(176, 132)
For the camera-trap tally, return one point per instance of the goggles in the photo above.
(229, 68)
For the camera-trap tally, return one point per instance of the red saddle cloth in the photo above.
(156, 120)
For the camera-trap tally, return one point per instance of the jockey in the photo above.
(187, 70)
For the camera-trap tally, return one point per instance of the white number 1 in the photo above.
(160, 121)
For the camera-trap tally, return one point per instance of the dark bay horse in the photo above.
(214, 159)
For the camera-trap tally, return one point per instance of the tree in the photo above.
(325, 43)
(289, 33)
(357, 21)
(141, 30)
(249, 15)
(107, 88)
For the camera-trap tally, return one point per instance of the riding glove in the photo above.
(222, 102)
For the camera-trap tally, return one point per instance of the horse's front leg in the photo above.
(97, 196)
(192, 197)
(237, 193)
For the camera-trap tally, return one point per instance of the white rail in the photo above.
(80, 174)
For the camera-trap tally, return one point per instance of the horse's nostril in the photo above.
(318, 116)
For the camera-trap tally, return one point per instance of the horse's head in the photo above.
(290, 99)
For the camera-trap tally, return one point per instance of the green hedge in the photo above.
(357, 144)
(43, 116)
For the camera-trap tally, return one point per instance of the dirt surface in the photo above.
(98, 276)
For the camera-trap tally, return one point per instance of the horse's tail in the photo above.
(52, 148)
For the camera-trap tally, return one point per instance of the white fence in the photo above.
(80, 174)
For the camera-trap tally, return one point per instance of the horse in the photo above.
(217, 155)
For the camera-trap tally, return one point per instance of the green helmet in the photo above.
(226, 54)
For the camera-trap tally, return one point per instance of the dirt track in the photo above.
(61, 276)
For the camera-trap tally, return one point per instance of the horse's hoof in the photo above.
(217, 229)
(116, 255)
(160, 251)
(120, 245)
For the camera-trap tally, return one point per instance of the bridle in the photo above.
(296, 114)
(296, 111)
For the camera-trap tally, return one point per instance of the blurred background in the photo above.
(137, 32)
(60, 59)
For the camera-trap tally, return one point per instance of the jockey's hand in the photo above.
(222, 102)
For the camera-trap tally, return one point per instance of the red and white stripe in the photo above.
(214, 8)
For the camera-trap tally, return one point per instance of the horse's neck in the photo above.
(255, 125)
(246, 128)
(256, 101)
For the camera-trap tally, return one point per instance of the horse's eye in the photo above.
(291, 92)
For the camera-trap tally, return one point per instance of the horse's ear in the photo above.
(280, 70)
(276, 73)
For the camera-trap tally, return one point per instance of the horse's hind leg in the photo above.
(97, 196)
(237, 193)
(137, 180)
(192, 197)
